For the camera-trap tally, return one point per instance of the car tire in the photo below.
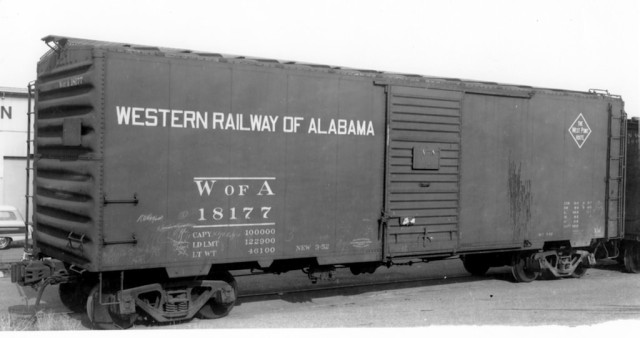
(5, 242)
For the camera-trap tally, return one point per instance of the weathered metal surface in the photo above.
(495, 171)
(519, 201)
(224, 163)
(534, 171)
(422, 189)
(152, 157)
(67, 142)
(632, 220)
(248, 164)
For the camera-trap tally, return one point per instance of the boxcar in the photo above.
(158, 171)
(630, 244)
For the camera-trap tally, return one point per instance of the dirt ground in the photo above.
(423, 295)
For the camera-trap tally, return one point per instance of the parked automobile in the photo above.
(11, 226)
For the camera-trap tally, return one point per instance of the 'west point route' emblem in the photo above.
(580, 130)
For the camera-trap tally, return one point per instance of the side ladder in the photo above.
(616, 170)
(29, 165)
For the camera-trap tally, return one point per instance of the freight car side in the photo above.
(529, 178)
(250, 165)
(542, 174)
(155, 169)
(159, 170)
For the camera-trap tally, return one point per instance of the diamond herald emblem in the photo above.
(580, 130)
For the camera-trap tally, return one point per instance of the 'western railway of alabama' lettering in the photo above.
(175, 118)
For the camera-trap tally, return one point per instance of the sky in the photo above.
(575, 45)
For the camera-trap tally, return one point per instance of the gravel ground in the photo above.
(420, 296)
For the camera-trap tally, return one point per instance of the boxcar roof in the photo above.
(472, 86)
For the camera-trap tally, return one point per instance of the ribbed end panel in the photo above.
(68, 156)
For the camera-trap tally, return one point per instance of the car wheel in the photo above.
(5, 242)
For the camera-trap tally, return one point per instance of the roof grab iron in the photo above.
(55, 43)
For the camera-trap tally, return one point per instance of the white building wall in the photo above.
(13, 146)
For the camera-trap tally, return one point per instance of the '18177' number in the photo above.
(245, 213)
